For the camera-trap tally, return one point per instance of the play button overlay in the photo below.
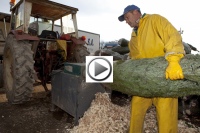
(99, 69)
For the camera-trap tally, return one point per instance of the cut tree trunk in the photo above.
(146, 77)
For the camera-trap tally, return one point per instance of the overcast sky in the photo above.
(101, 16)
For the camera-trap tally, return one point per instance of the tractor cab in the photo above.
(38, 15)
(38, 43)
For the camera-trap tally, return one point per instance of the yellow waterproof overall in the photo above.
(155, 37)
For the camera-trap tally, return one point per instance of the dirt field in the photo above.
(32, 117)
(35, 116)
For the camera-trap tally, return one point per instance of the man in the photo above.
(153, 36)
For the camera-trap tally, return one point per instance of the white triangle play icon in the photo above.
(99, 68)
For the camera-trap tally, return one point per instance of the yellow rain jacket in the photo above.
(155, 37)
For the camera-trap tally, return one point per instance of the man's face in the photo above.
(131, 18)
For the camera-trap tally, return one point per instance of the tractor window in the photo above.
(39, 24)
(68, 26)
(20, 16)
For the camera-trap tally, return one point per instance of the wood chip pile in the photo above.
(105, 117)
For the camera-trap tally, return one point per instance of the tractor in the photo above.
(34, 47)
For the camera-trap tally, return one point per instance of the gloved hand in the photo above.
(174, 70)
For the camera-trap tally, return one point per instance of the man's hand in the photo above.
(174, 70)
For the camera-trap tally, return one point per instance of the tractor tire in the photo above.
(1, 75)
(18, 71)
(80, 52)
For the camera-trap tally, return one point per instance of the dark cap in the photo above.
(127, 9)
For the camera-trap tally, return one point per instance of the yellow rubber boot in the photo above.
(139, 106)
(167, 114)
